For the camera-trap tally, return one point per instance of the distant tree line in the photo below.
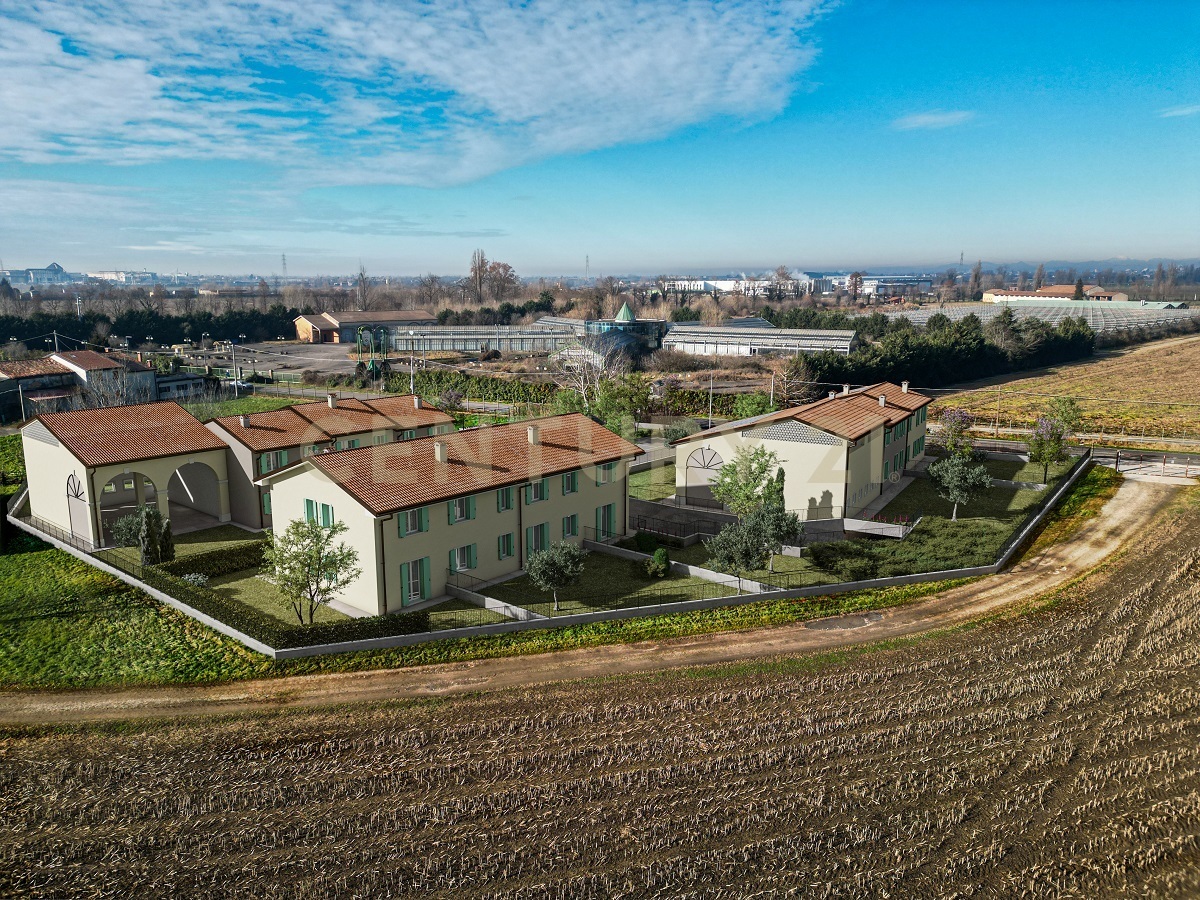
(143, 327)
(943, 352)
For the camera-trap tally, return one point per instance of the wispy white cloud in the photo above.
(361, 91)
(1176, 111)
(936, 118)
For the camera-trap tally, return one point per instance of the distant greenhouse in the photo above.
(1102, 315)
(703, 340)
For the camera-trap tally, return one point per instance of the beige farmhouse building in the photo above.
(87, 468)
(837, 454)
(471, 504)
(261, 442)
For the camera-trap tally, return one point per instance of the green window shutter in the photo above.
(500, 547)
(326, 514)
(402, 524)
(528, 541)
(404, 584)
(471, 556)
(450, 511)
(451, 565)
(283, 457)
(500, 500)
(262, 464)
(544, 528)
(528, 494)
(310, 511)
(267, 503)
(545, 488)
(471, 507)
(423, 518)
(599, 519)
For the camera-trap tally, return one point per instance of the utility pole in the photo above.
(710, 390)
(412, 388)
(772, 388)
(55, 341)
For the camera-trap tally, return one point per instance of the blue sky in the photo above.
(196, 135)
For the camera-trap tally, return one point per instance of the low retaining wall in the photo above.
(518, 613)
(679, 568)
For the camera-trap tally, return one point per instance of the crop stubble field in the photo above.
(1054, 753)
(1167, 373)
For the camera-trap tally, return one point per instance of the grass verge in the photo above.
(64, 624)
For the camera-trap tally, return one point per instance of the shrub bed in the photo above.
(215, 563)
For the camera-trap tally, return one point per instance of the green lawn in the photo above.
(1016, 470)
(461, 614)
(249, 588)
(213, 539)
(1000, 503)
(789, 571)
(64, 624)
(607, 583)
(656, 483)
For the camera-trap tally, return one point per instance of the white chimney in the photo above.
(441, 453)
(532, 433)
(845, 389)
(244, 420)
(883, 400)
(904, 387)
(417, 401)
(832, 394)
(331, 399)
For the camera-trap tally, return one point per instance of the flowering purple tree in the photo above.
(1048, 444)
(956, 423)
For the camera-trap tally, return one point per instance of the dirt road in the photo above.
(1126, 516)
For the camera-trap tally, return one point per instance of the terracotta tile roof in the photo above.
(28, 368)
(392, 477)
(313, 423)
(850, 416)
(89, 360)
(121, 434)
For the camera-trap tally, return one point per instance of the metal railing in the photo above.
(59, 534)
(673, 529)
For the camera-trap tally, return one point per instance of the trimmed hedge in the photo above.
(265, 628)
(215, 563)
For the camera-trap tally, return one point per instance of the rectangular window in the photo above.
(536, 491)
(570, 483)
(268, 462)
(606, 521)
(504, 499)
(460, 509)
(409, 435)
(380, 439)
(414, 581)
(413, 521)
(352, 443)
(505, 546)
(110, 488)
(570, 526)
(606, 473)
(537, 537)
(318, 512)
(129, 484)
(462, 558)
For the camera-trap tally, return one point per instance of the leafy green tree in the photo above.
(566, 401)
(741, 483)
(753, 543)
(749, 405)
(309, 565)
(1079, 295)
(678, 429)
(1048, 444)
(166, 542)
(959, 480)
(625, 397)
(659, 563)
(1065, 411)
(775, 527)
(558, 566)
(955, 431)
